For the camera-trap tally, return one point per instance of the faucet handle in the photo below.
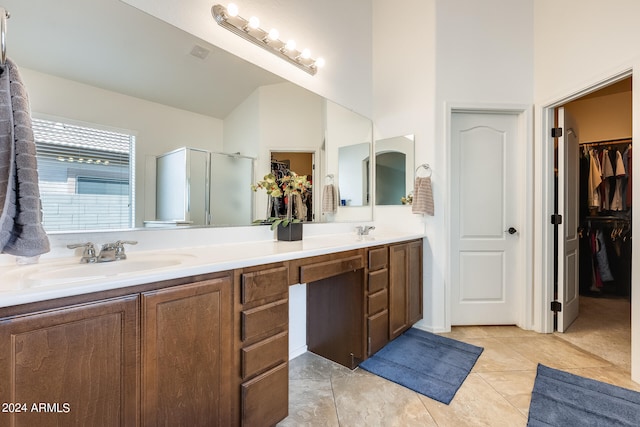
(126, 242)
(89, 253)
(120, 248)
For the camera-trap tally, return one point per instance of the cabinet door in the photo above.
(186, 354)
(415, 281)
(78, 366)
(398, 269)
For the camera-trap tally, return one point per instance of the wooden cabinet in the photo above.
(405, 286)
(186, 354)
(377, 299)
(210, 350)
(78, 365)
(262, 343)
(414, 285)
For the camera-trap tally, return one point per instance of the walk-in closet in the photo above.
(601, 122)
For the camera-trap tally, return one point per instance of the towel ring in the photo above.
(4, 15)
(426, 167)
(329, 178)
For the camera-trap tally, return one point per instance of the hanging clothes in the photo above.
(595, 179)
(607, 174)
(620, 174)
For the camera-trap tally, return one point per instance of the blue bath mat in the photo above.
(563, 399)
(426, 363)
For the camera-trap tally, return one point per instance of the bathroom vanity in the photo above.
(209, 345)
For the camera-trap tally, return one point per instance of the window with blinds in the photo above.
(86, 176)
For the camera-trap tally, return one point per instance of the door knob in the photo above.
(511, 230)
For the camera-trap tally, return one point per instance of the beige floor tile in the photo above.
(364, 399)
(311, 404)
(554, 352)
(514, 386)
(608, 337)
(312, 366)
(466, 332)
(476, 404)
(496, 393)
(498, 356)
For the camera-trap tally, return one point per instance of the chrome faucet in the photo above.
(88, 254)
(109, 251)
(114, 251)
(363, 230)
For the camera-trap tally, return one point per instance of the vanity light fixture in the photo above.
(229, 18)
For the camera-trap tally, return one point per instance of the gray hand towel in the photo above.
(329, 199)
(21, 231)
(422, 196)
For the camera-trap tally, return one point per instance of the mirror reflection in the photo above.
(349, 141)
(353, 173)
(394, 169)
(171, 90)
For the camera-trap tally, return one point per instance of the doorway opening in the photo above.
(592, 220)
(283, 163)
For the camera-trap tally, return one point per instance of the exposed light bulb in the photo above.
(274, 34)
(254, 22)
(306, 53)
(291, 45)
(320, 62)
(232, 10)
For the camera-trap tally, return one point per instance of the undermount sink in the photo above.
(68, 272)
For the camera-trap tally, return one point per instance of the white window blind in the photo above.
(86, 176)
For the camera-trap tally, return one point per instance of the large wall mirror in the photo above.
(394, 160)
(106, 64)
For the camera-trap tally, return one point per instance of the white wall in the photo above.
(241, 128)
(158, 128)
(338, 31)
(578, 44)
(446, 51)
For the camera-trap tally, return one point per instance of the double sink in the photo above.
(70, 271)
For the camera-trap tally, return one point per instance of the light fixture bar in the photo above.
(260, 37)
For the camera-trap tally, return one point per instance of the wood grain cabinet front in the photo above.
(377, 299)
(405, 286)
(186, 354)
(73, 366)
(263, 345)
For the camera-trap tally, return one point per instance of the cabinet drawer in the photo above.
(324, 270)
(264, 284)
(377, 302)
(378, 258)
(265, 354)
(378, 280)
(266, 318)
(265, 399)
(378, 326)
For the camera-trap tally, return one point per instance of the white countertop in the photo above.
(63, 277)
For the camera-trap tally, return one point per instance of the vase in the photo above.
(292, 232)
(269, 206)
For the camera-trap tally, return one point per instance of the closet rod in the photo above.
(608, 218)
(607, 142)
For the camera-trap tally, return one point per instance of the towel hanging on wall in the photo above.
(329, 199)
(423, 196)
(21, 231)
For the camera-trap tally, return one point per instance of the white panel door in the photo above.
(487, 201)
(568, 206)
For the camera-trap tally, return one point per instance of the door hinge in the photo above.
(556, 132)
(556, 306)
(556, 219)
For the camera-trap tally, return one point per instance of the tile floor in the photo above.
(496, 392)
